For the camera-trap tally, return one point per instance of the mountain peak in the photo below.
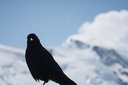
(108, 30)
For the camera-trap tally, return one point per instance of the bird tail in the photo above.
(67, 81)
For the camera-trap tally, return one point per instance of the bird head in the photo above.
(33, 40)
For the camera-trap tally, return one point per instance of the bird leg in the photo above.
(44, 82)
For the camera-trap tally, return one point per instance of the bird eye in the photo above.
(31, 39)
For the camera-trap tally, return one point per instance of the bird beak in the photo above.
(31, 39)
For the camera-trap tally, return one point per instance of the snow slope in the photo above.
(96, 55)
(13, 70)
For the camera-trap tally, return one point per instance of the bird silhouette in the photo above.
(41, 63)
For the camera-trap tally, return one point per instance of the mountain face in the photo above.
(109, 65)
(96, 55)
(85, 64)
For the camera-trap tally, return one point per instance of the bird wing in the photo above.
(49, 60)
(55, 71)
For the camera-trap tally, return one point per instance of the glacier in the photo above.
(96, 55)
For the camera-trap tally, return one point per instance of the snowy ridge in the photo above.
(90, 69)
(96, 55)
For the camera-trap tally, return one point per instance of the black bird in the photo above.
(42, 64)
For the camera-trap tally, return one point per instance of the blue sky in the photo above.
(52, 20)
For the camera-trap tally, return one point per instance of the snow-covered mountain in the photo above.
(96, 55)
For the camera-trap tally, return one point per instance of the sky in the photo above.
(52, 20)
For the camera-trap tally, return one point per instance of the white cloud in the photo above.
(106, 29)
(111, 24)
